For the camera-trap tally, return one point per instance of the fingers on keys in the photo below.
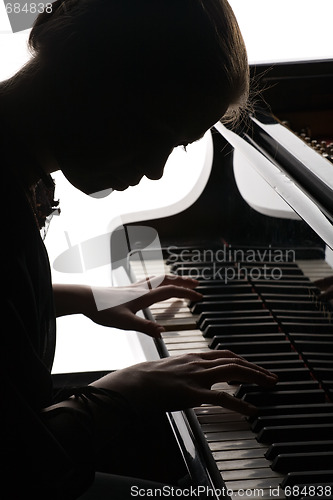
(226, 366)
(169, 291)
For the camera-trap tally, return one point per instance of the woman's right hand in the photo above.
(180, 382)
(174, 383)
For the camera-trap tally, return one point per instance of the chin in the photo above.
(101, 194)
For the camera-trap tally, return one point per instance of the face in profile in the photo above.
(118, 157)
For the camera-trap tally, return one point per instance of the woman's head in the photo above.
(123, 77)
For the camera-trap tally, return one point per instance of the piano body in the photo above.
(257, 262)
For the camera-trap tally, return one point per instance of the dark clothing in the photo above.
(44, 456)
(51, 455)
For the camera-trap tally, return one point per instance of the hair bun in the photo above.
(59, 7)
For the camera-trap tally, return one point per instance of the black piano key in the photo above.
(191, 266)
(260, 314)
(237, 338)
(303, 461)
(243, 328)
(285, 276)
(322, 368)
(218, 282)
(301, 418)
(292, 271)
(275, 357)
(277, 287)
(306, 299)
(291, 385)
(300, 280)
(307, 327)
(314, 345)
(262, 398)
(300, 305)
(221, 289)
(230, 296)
(236, 320)
(226, 305)
(245, 348)
(287, 374)
(198, 265)
(321, 364)
(322, 373)
(319, 319)
(310, 432)
(324, 357)
(308, 477)
(294, 409)
(297, 447)
(286, 368)
(310, 337)
(268, 262)
(286, 314)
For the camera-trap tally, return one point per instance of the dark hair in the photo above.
(149, 46)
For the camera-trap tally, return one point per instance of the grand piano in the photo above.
(255, 225)
(258, 267)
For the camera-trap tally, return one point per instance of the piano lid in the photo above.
(302, 188)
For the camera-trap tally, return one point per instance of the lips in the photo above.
(125, 183)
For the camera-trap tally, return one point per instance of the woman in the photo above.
(112, 87)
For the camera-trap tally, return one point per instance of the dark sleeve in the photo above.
(41, 457)
(35, 464)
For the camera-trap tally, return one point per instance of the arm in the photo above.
(71, 299)
(41, 458)
(171, 384)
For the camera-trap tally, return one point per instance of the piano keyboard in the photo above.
(287, 451)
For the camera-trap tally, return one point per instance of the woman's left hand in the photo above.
(326, 287)
(129, 300)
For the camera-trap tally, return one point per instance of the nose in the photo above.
(154, 168)
(154, 175)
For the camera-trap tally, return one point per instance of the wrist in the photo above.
(73, 299)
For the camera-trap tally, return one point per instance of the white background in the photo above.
(274, 30)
